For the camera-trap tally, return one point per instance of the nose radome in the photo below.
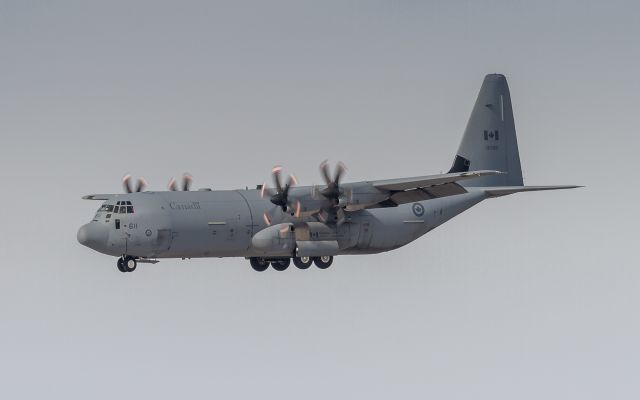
(93, 235)
(83, 235)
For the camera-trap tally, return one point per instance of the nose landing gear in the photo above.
(127, 264)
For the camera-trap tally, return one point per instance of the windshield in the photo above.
(122, 207)
(106, 207)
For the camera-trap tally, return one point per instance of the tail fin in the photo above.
(489, 142)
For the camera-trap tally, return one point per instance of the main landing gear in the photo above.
(280, 264)
(302, 262)
(323, 262)
(127, 264)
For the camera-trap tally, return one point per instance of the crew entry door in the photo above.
(229, 222)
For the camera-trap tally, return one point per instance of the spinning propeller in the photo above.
(333, 192)
(141, 184)
(186, 183)
(126, 184)
(279, 196)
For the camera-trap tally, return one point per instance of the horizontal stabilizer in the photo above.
(505, 190)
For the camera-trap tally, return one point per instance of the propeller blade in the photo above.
(324, 171)
(126, 183)
(293, 180)
(266, 218)
(172, 186)
(284, 230)
(323, 216)
(342, 218)
(266, 192)
(142, 183)
(340, 170)
(298, 209)
(275, 171)
(186, 182)
(290, 182)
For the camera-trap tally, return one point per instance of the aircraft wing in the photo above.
(98, 197)
(419, 188)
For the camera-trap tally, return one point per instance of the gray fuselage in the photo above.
(230, 224)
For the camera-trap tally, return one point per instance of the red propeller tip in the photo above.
(266, 219)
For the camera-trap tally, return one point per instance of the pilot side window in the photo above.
(129, 209)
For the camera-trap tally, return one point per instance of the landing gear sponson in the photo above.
(281, 264)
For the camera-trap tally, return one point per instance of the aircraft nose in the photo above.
(92, 235)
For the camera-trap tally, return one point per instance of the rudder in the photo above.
(489, 141)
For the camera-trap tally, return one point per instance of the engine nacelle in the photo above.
(276, 240)
(306, 239)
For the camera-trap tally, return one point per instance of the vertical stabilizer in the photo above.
(489, 141)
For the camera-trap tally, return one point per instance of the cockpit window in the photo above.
(122, 207)
(106, 207)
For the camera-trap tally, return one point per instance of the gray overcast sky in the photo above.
(531, 296)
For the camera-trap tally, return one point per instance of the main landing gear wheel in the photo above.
(259, 264)
(303, 262)
(323, 262)
(281, 265)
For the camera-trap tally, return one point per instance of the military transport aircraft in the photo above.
(312, 224)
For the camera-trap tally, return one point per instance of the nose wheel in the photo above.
(127, 264)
